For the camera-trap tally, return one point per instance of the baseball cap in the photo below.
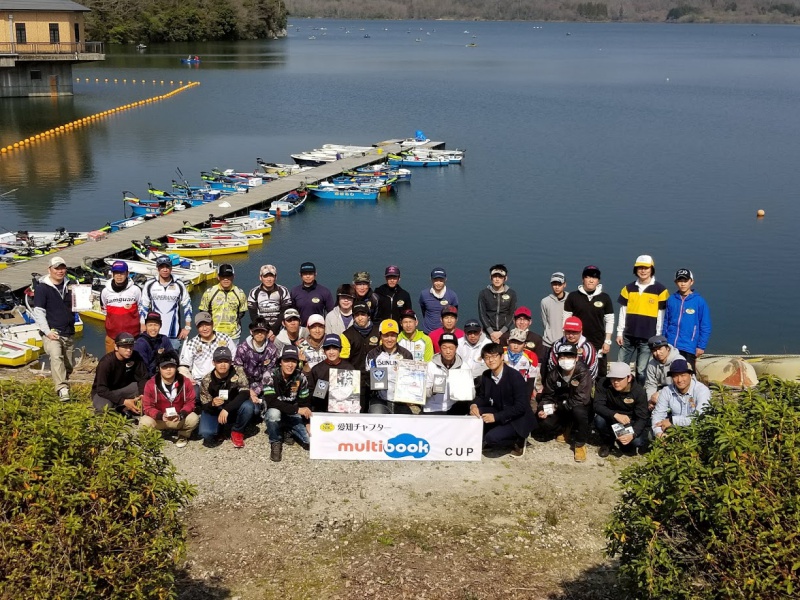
(448, 338)
(222, 353)
(259, 324)
(57, 261)
(332, 339)
(618, 370)
(308, 267)
(522, 311)
(360, 307)
(268, 270)
(408, 314)
(590, 271)
(498, 270)
(471, 326)
(438, 273)
(119, 266)
(683, 274)
(389, 326)
(345, 290)
(644, 260)
(203, 317)
(153, 316)
(573, 324)
(564, 348)
(315, 320)
(657, 341)
(449, 309)
(678, 366)
(124, 339)
(361, 277)
(557, 277)
(225, 270)
(170, 357)
(164, 261)
(291, 313)
(392, 270)
(518, 335)
(290, 353)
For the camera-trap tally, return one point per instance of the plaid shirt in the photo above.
(226, 307)
(197, 355)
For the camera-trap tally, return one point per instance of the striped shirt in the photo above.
(642, 309)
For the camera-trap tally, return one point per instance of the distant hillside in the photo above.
(722, 11)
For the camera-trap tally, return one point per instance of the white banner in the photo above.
(395, 437)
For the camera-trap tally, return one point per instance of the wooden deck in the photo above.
(18, 276)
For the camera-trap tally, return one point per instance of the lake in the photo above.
(587, 144)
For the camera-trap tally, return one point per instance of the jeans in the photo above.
(62, 361)
(184, 426)
(604, 430)
(176, 344)
(500, 436)
(295, 423)
(690, 358)
(635, 350)
(210, 425)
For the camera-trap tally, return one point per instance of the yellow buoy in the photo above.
(16, 144)
(760, 213)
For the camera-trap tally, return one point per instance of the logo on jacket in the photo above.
(443, 302)
(401, 303)
(689, 311)
(406, 444)
(505, 297)
(628, 400)
(373, 339)
(315, 300)
(598, 304)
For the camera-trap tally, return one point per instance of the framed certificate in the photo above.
(344, 393)
(462, 384)
(409, 386)
(81, 297)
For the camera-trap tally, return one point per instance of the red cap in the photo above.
(450, 310)
(523, 311)
(573, 324)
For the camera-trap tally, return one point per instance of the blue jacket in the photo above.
(431, 307)
(150, 349)
(687, 322)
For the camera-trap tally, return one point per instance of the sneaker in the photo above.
(604, 451)
(276, 451)
(580, 453)
(63, 394)
(237, 439)
(518, 451)
(181, 442)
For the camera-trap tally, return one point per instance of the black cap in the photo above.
(332, 340)
(408, 314)
(683, 274)
(308, 267)
(290, 353)
(170, 357)
(259, 324)
(223, 353)
(591, 271)
(360, 307)
(679, 365)
(225, 270)
(448, 338)
(163, 261)
(657, 341)
(153, 316)
(472, 326)
(563, 348)
(124, 339)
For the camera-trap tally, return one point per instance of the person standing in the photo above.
(393, 300)
(310, 347)
(52, 311)
(573, 334)
(688, 319)
(120, 298)
(596, 311)
(226, 303)
(168, 297)
(553, 310)
(197, 354)
(412, 339)
(364, 293)
(151, 343)
(341, 317)
(311, 298)
(641, 314)
(433, 300)
(386, 356)
(471, 346)
(449, 321)
(496, 304)
(269, 300)
(292, 333)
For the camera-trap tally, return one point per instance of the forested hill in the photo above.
(135, 21)
(733, 11)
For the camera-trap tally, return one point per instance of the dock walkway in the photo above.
(18, 276)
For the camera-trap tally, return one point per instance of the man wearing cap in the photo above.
(225, 400)
(364, 293)
(392, 299)
(386, 357)
(169, 400)
(687, 322)
(120, 299)
(433, 300)
(311, 350)
(257, 356)
(119, 378)
(566, 400)
(496, 304)
(523, 361)
(573, 334)
(151, 343)
(503, 404)
(357, 340)
(321, 372)
(52, 311)
(471, 346)
(533, 341)
(288, 400)
(437, 388)
(620, 400)
(553, 310)
(449, 320)
(311, 298)
(269, 300)
(596, 311)
(341, 317)
(641, 314)
(412, 339)
(662, 354)
(197, 355)
(168, 297)
(681, 401)
(226, 303)
(292, 333)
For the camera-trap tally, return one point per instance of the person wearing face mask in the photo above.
(566, 400)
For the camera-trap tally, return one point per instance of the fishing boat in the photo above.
(291, 203)
(207, 249)
(282, 170)
(417, 161)
(418, 140)
(59, 236)
(246, 224)
(383, 170)
(191, 60)
(189, 277)
(17, 354)
(213, 235)
(329, 191)
(186, 267)
(142, 208)
(726, 368)
(454, 157)
(384, 184)
(114, 226)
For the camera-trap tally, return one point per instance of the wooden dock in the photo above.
(18, 276)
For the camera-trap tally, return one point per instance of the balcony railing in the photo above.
(47, 48)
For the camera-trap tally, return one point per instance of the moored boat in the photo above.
(17, 354)
(208, 248)
(329, 191)
(291, 203)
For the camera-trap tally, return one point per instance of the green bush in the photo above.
(714, 511)
(681, 11)
(89, 507)
(593, 10)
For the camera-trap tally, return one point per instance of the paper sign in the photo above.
(345, 391)
(81, 297)
(462, 384)
(409, 388)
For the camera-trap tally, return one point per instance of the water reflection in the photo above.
(257, 54)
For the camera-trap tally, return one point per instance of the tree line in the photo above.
(134, 21)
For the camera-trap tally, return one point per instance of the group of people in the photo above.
(555, 385)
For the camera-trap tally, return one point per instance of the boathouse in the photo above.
(40, 40)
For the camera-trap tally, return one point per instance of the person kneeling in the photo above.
(120, 378)
(225, 396)
(621, 413)
(169, 400)
(288, 402)
(502, 402)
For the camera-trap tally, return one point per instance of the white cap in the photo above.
(57, 261)
(644, 260)
(315, 320)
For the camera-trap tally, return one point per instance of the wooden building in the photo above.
(40, 40)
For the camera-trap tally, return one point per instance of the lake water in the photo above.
(587, 143)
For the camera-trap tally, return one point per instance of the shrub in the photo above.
(89, 507)
(681, 11)
(593, 10)
(714, 511)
